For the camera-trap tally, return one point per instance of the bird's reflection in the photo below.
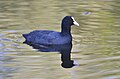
(65, 51)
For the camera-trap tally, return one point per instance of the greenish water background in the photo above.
(96, 43)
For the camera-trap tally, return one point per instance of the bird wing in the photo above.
(42, 36)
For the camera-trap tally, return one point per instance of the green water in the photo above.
(96, 43)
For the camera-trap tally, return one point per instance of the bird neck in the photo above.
(65, 29)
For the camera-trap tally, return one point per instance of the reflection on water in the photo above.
(64, 50)
(96, 43)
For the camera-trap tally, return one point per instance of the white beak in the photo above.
(75, 22)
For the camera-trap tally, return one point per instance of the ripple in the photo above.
(95, 43)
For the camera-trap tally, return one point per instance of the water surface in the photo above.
(96, 43)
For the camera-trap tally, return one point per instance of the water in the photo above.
(96, 43)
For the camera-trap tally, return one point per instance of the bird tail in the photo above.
(25, 36)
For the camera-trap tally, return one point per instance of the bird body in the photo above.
(47, 37)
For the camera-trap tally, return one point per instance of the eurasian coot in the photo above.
(48, 37)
